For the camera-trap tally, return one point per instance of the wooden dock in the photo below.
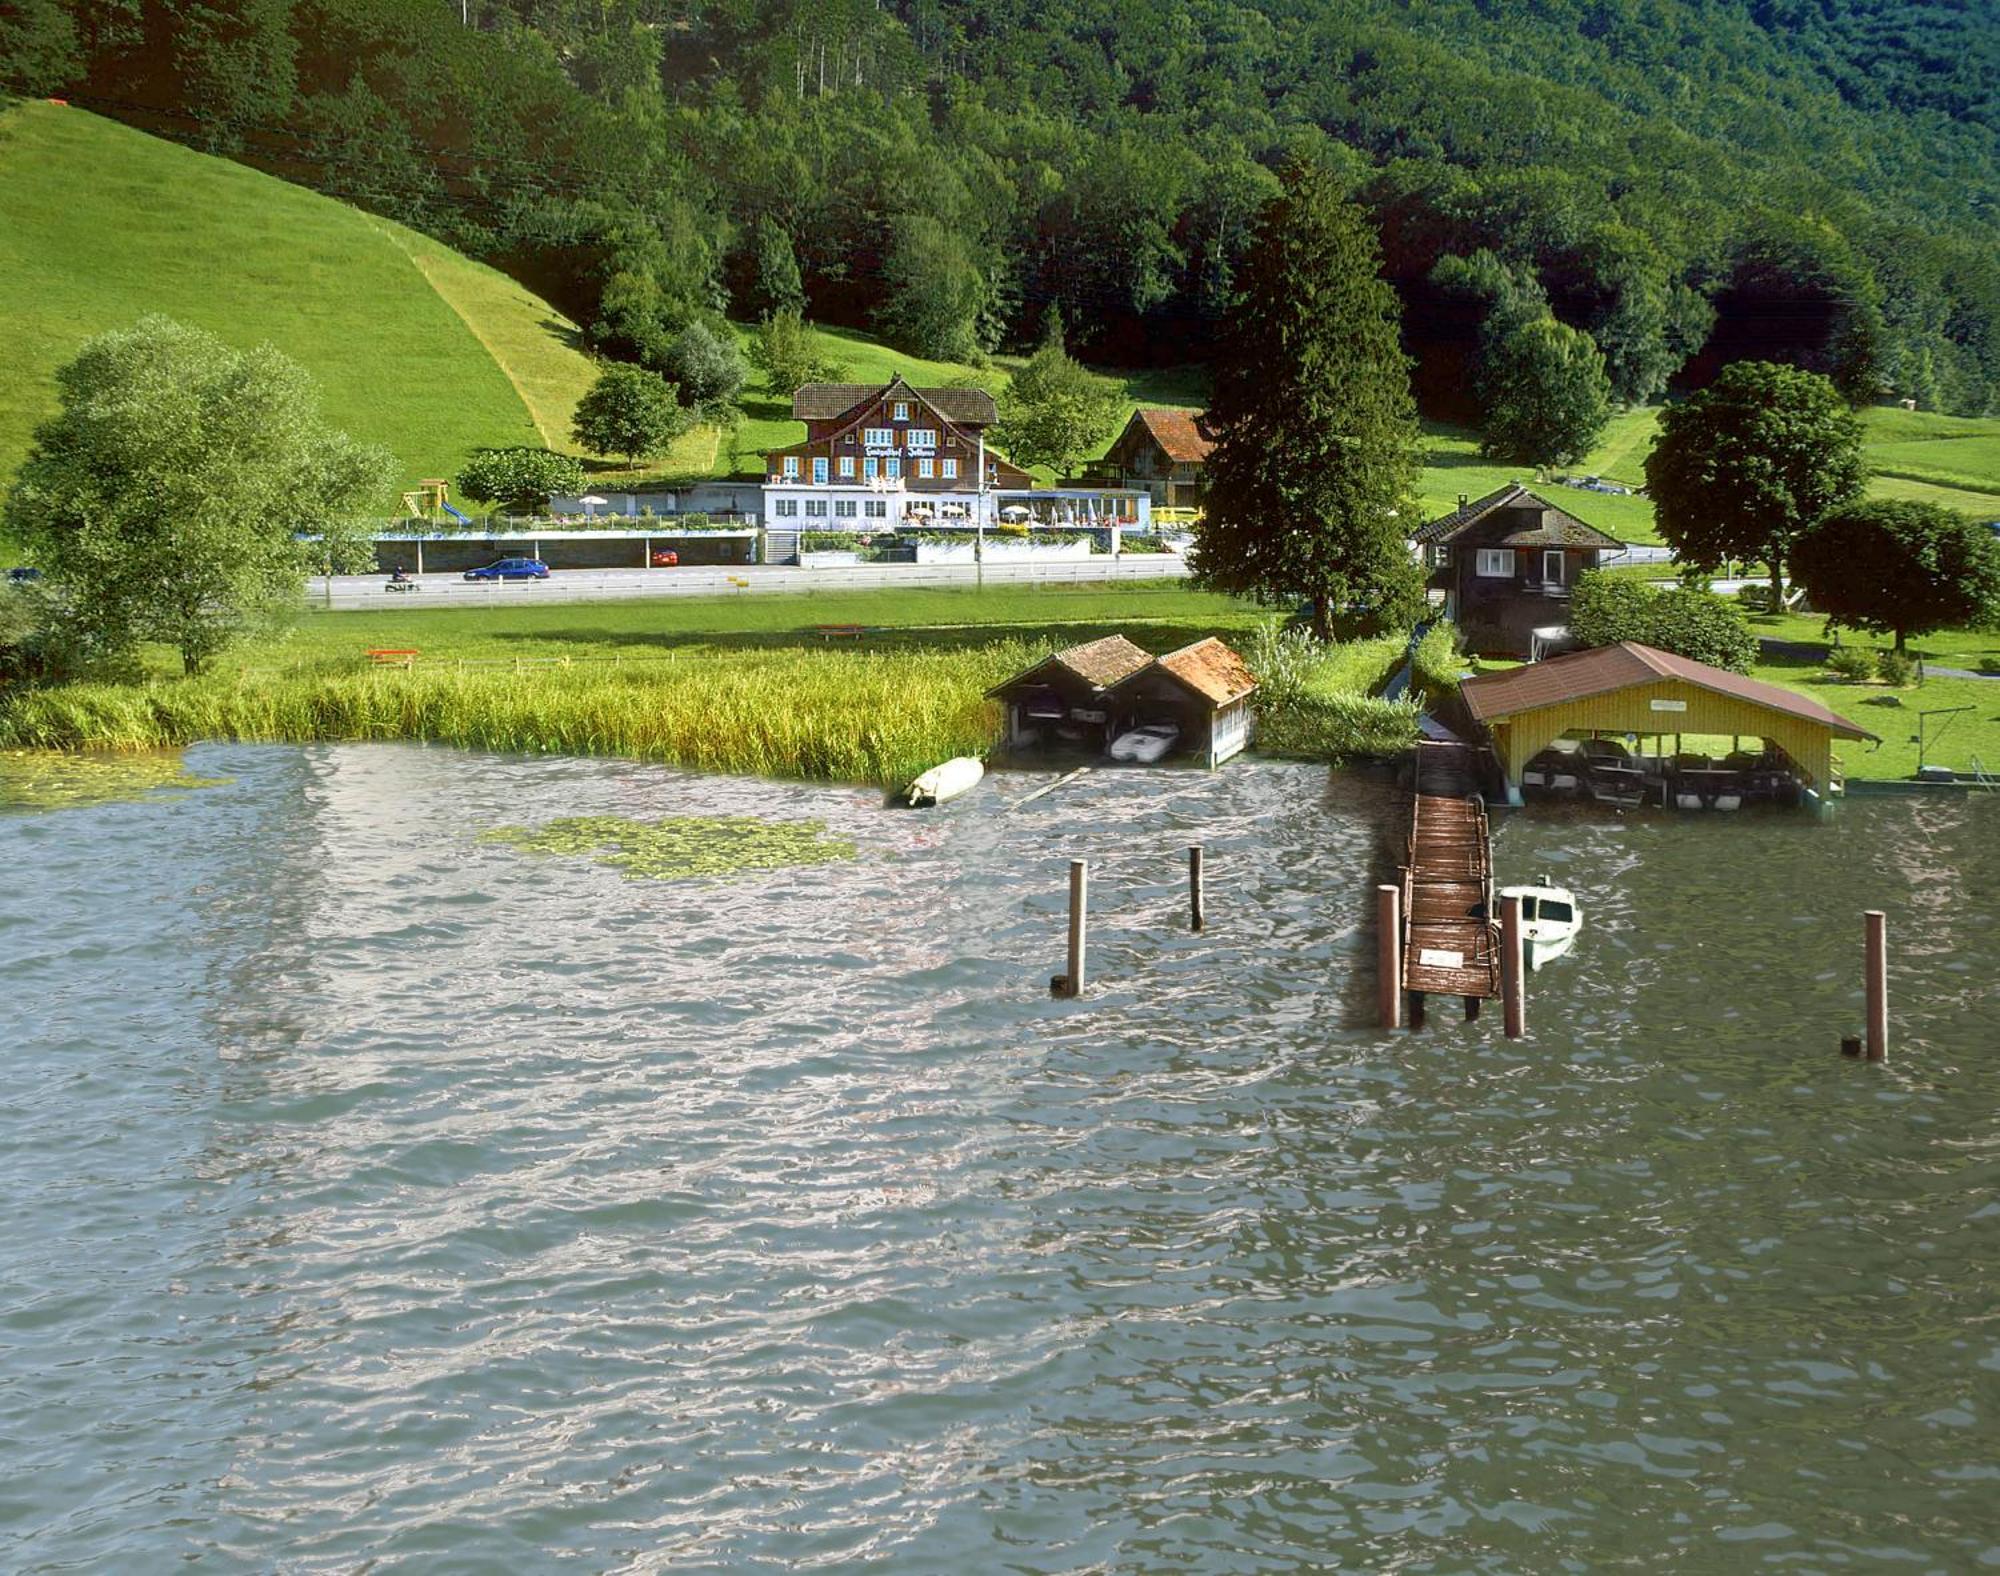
(1451, 942)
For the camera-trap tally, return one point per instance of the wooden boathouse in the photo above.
(1633, 689)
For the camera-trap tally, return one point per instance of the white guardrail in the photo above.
(596, 585)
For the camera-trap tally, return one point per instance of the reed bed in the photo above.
(840, 716)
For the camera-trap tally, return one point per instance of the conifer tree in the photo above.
(1311, 481)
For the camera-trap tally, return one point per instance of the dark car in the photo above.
(23, 576)
(511, 569)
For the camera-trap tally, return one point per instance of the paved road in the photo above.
(603, 585)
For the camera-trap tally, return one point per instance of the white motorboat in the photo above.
(1549, 921)
(1145, 745)
(947, 781)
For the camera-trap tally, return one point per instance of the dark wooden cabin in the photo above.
(1506, 564)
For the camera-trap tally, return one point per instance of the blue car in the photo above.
(511, 569)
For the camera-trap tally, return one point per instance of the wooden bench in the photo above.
(393, 656)
(739, 582)
(841, 631)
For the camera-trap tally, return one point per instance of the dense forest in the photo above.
(1687, 181)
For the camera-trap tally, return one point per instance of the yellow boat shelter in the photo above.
(1633, 689)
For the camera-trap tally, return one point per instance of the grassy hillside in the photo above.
(416, 347)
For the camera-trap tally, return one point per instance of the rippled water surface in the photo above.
(379, 1198)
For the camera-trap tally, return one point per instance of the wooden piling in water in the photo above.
(1513, 989)
(1875, 958)
(1071, 984)
(1389, 954)
(1850, 1045)
(1195, 916)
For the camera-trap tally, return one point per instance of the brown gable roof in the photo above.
(828, 401)
(1211, 670)
(1494, 696)
(1099, 663)
(1558, 528)
(1178, 434)
(1104, 662)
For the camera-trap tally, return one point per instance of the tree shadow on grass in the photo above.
(1155, 638)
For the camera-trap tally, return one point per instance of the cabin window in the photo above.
(950, 468)
(1557, 912)
(892, 467)
(785, 508)
(847, 465)
(1440, 557)
(791, 467)
(879, 437)
(871, 468)
(1496, 562)
(925, 467)
(816, 508)
(843, 508)
(875, 508)
(921, 438)
(901, 412)
(819, 470)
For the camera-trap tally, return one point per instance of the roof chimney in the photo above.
(1463, 500)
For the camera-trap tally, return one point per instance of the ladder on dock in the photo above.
(1451, 943)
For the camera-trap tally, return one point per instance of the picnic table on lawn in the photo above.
(393, 656)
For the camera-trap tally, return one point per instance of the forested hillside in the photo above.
(1690, 181)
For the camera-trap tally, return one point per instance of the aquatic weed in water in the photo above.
(52, 780)
(682, 847)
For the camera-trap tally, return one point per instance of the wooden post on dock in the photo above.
(1875, 953)
(1194, 887)
(1389, 954)
(1071, 984)
(1513, 991)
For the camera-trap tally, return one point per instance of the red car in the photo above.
(665, 558)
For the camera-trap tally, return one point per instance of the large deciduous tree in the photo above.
(1311, 481)
(173, 496)
(707, 368)
(1901, 567)
(1547, 396)
(1055, 410)
(937, 297)
(1740, 469)
(630, 411)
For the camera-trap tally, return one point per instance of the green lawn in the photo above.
(1453, 465)
(1158, 615)
(416, 348)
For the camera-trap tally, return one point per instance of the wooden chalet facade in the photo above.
(1161, 453)
(1506, 564)
(883, 454)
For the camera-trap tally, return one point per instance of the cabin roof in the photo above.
(1493, 697)
(1177, 433)
(1556, 528)
(1099, 663)
(973, 407)
(1212, 670)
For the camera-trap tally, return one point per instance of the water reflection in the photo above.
(394, 1197)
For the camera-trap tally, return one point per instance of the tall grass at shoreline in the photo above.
(842, 716)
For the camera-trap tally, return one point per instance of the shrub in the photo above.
(1898, 668)
(1851, 663)
(826, 541)
(1437, 663)
(1697, 624)
(1334, 728)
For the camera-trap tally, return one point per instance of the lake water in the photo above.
(378, 1198)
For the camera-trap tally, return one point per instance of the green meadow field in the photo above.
(416, 347)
